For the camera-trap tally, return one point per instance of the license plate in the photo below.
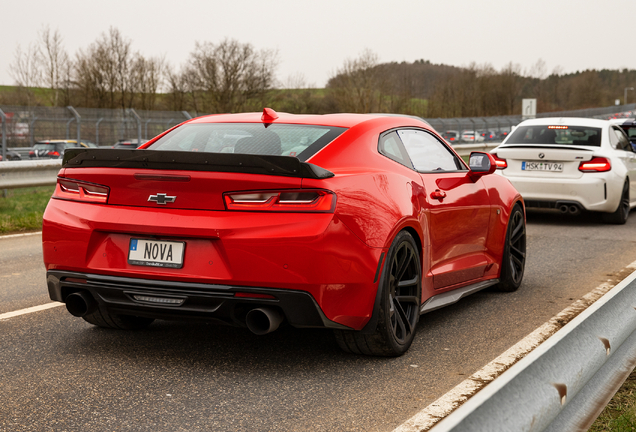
(156, 253)
(541, 166)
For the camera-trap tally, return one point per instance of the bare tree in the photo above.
(147, 76)
(25, 71)
(53, 60)
(358, 85)
(233, 76)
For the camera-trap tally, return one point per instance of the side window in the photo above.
(623, 141)
(614, 138)
(391, 147)
(427, 153)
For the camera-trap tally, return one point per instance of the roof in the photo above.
(337, 120)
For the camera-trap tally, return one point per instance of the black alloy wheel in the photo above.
(620, 216)
(400, 298)
(514, 257)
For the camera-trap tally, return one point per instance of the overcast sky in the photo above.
(314, 38)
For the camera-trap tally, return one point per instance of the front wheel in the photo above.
(400, 297)
(619, 217)
(513, 262)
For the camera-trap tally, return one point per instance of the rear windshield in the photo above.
(44, 146)
(567, 135)
(301, 141)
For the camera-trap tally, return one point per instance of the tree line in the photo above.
(230, 76)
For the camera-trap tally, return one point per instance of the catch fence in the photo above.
(23, 126)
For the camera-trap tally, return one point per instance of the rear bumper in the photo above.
(210, 302)
(592, 192)
(313, 254)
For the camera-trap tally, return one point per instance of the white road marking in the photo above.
(20, 235)
(33, 309)
(432, 414)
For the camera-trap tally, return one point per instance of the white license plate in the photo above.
(541, 166)
(156, 253)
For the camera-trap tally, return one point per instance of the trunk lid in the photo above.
(544, 160)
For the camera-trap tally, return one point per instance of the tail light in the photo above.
(299, 200)
(74, 190)
(501, 163)
(597, 164)
(53, 153)
(32, 153)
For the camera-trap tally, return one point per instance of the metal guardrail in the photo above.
(565, 383)
(17, 174)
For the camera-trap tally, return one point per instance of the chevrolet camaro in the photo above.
(357, 223)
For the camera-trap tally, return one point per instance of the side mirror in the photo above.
(481, 163)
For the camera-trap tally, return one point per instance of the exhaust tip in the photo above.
(80, 304)
(261, 321)
(563, 208)
(574, 210)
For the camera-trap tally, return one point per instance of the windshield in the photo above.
(566, 135)
(301, 141)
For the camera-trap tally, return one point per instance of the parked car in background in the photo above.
(11, 156)
(357, 223)
(487, 135)
(451, 136)
(129, 143)
(571, 164)
(54, 149)
(469, 136)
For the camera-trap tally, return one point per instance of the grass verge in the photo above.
(22, 209)
(620, 414)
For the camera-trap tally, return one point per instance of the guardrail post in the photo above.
(138, 120)
(78, 118)
(68, 124)
(186, 114)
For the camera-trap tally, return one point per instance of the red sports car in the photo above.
(353, 222)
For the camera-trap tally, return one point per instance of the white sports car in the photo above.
(570, 164)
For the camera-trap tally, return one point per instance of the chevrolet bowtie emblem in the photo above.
(162, 199)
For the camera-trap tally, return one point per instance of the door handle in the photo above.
(438, 194)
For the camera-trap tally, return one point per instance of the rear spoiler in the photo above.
(286, 166)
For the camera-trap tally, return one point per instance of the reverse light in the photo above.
(299, 200)
(597, 164)
(501, 163)
(74, 190)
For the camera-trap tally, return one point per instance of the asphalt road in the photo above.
(59, 373)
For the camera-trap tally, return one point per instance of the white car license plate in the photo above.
(156, 253)
(541, 166)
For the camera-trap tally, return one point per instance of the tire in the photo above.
(620, 216)
(513, 262)
(120, 322)
(400, 298)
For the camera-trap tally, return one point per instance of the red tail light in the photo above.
(74, 190)
(53, 153)
(298, 200)
(501, 163)
(31, 153)
(597, 164)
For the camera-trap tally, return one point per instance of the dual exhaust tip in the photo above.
(259, 321)
(572, 209)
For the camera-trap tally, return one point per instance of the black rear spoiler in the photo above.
(286, 166)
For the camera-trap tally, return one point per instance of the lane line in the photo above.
(29, 310)
(435, 412)
(20, 235)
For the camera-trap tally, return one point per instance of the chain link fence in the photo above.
(23, 126)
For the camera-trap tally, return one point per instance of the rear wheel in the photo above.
(400, 297)
(619, 217)
(514, 257)
(121, 322)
